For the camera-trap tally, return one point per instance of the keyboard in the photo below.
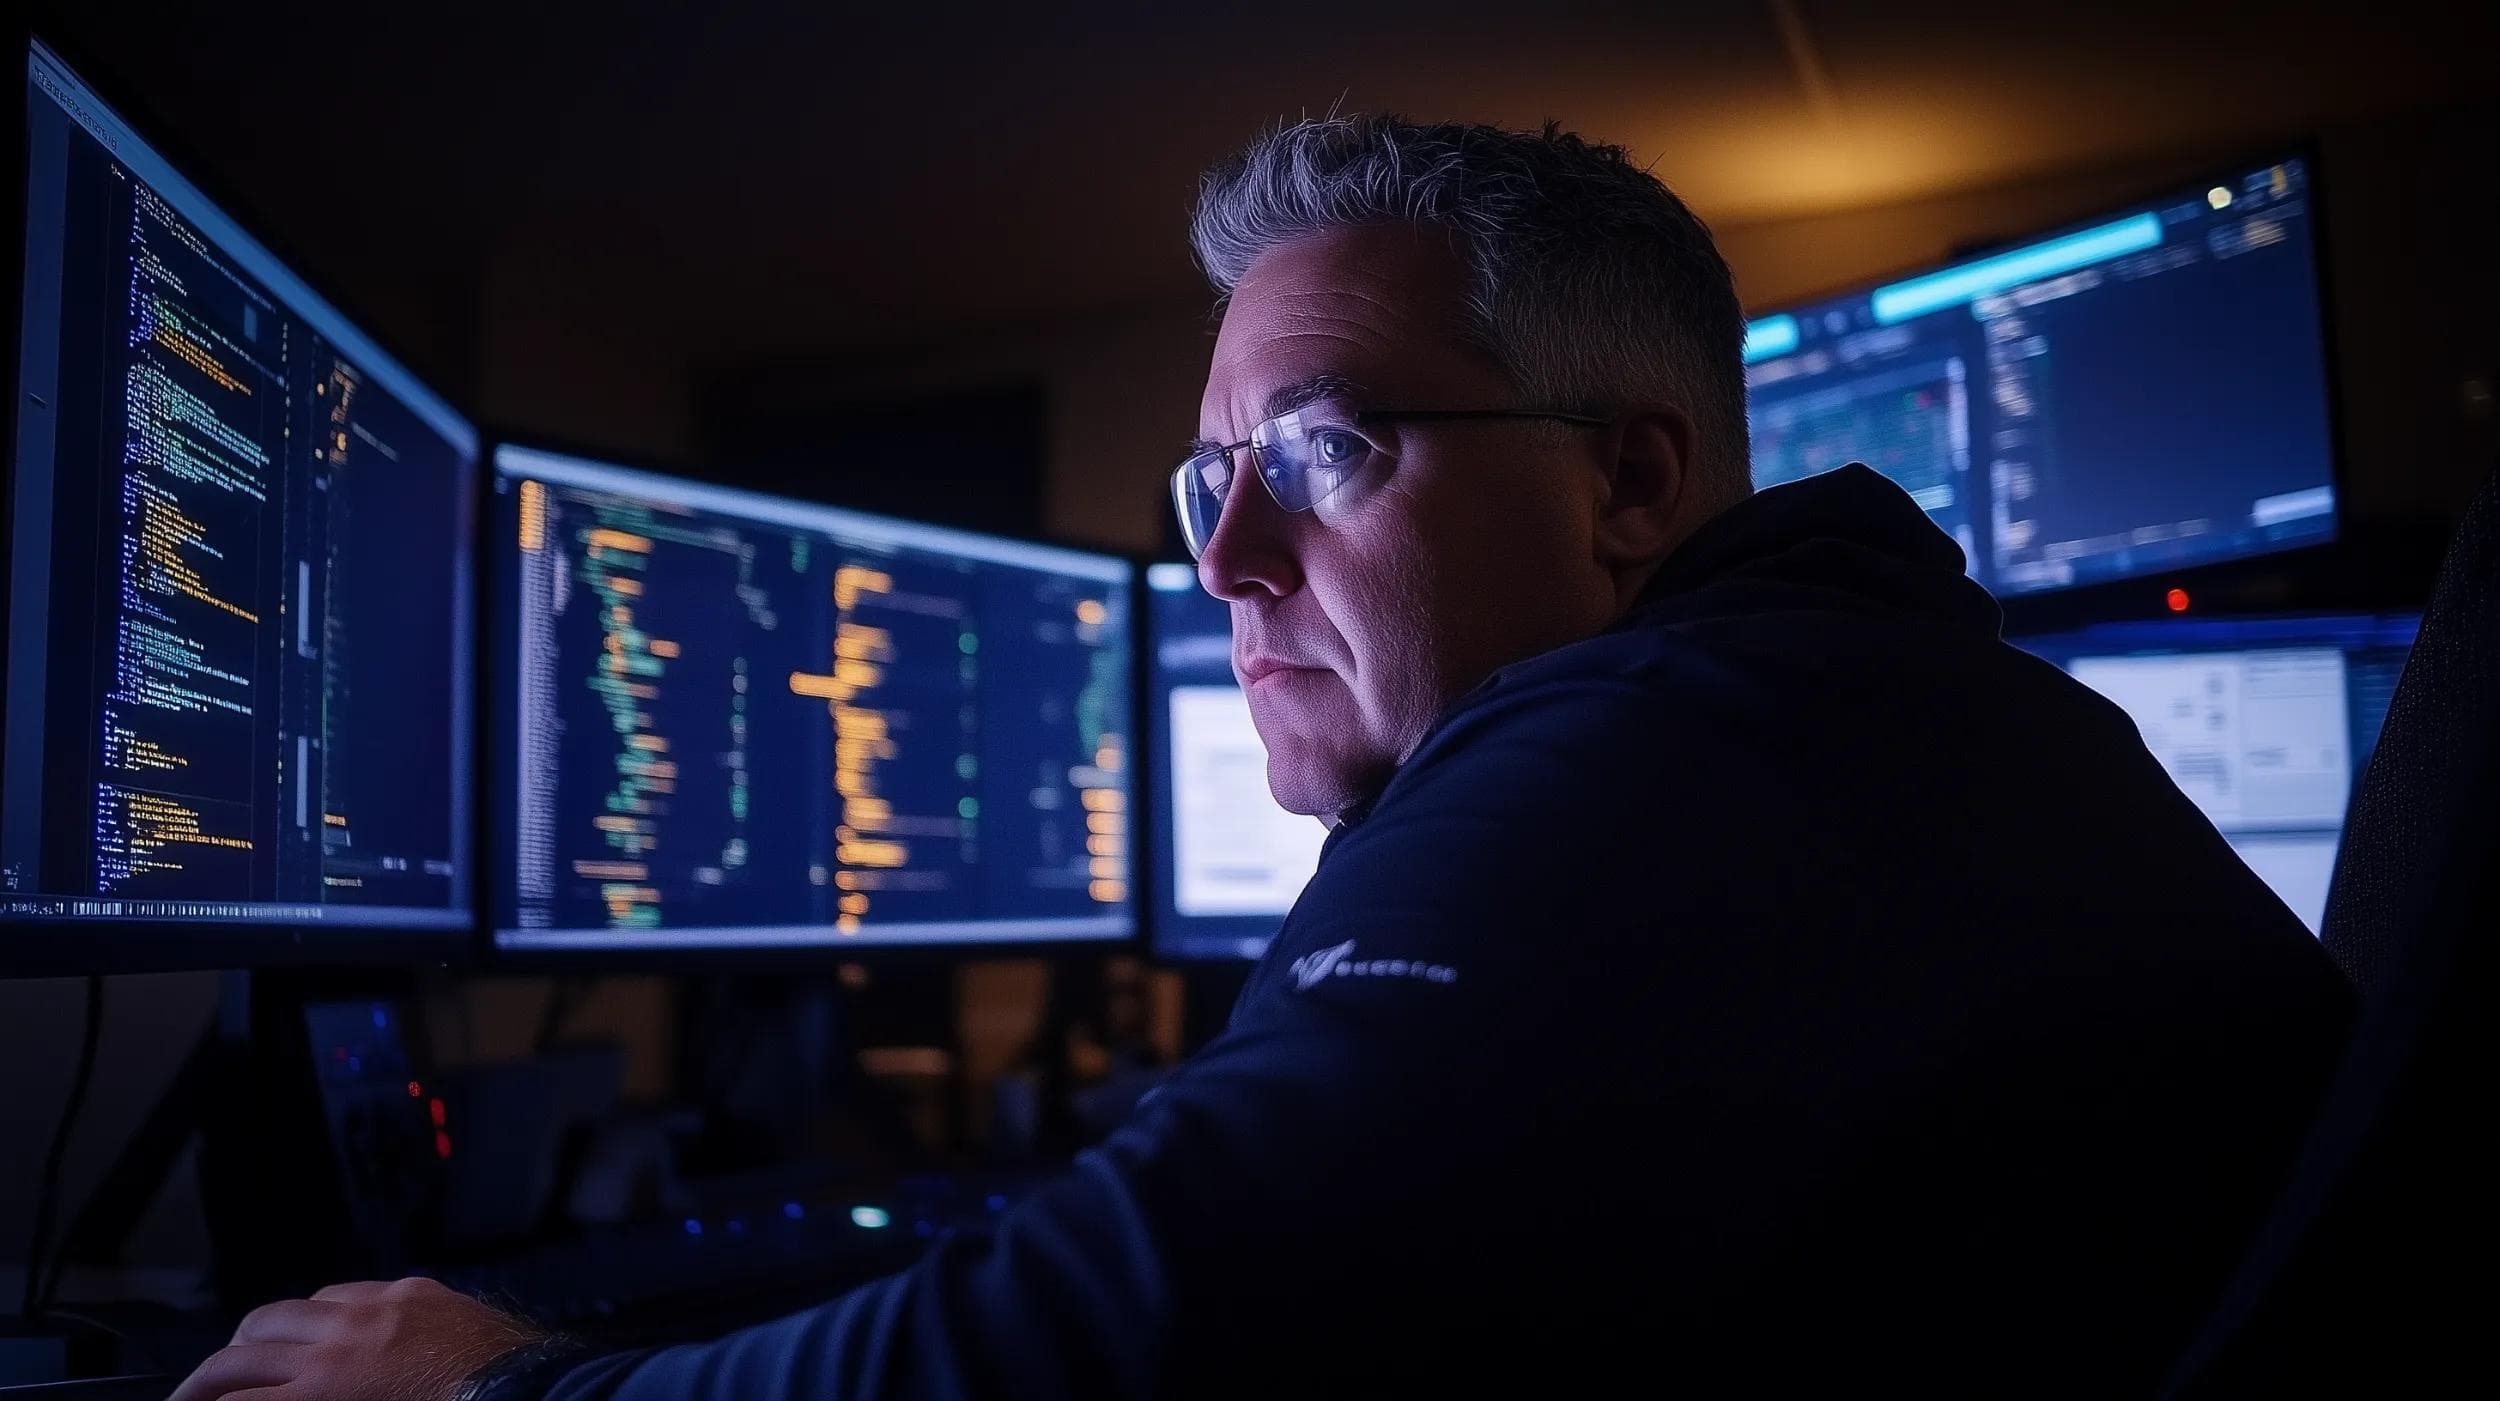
(744, 1260)
(135, 1388)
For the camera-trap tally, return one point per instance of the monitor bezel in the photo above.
(34, 948)
(2232, 632)
(495, 567)
(2297, 578)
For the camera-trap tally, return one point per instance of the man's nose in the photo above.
(1254, 545)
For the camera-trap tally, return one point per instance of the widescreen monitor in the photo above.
(239, 571)
(2266, 723)
(2144, 393)
(730, 721)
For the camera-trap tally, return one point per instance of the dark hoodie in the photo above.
(1792, 986)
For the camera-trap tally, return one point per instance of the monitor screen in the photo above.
(2144, 393)
(238, 572)
(742, 721)
(1231, 861)
(2265, 722)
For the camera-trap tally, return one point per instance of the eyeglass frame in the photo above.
(1361, 417)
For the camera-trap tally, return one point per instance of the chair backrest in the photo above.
(2351, 1282)
(2429, 784)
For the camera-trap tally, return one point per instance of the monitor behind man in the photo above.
(2265, 723)
(1230, 861)
(2143, 392)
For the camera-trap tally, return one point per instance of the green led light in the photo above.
(967, 767)
(872, 1218)
(969, 807)
(967, 643)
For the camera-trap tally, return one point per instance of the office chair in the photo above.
(2352, 1284)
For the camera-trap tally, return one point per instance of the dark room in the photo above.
(1847, 738)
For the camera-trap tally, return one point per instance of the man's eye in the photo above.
(1336, 447)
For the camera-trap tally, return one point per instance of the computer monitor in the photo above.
(238, 591)
(2143, 393)
(1229, 861)
(736, 722)
(2265, 722)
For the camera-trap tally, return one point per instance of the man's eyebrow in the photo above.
(1300, 394)
(1305, 392)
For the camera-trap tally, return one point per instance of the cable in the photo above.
(39, 1287)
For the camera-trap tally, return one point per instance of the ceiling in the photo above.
(745, 178)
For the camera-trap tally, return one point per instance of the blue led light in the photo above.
(693, 1227)
(793, 1210)
(1920, 295)
(1772, 335)
(997, 1203)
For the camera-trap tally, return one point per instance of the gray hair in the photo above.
(1591, 285)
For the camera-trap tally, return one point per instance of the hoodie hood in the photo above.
(1849, 536)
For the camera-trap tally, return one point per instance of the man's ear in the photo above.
(1650, 492)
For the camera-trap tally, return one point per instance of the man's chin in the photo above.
(1318, 780)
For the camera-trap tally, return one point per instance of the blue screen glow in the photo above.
(2144, 394)
(745, 721)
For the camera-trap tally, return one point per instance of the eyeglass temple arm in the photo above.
(1446, 415)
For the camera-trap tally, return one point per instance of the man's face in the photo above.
(1453, 550)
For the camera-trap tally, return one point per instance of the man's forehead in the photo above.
(1354, 311)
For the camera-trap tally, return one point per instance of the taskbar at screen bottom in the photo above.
(1104, 928)
(1213, 948)
(98, 909)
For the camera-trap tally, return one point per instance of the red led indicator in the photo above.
(2177, 599)
(434, 1107)
(442, 1144)
(415, 1090)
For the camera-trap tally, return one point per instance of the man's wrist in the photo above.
(524, 1373)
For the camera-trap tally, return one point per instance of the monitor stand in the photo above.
(318, 1162)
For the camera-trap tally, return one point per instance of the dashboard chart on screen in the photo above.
(2265, 723)
(737, 720)
(1232, 861)
(2145, 393)
(239, 572)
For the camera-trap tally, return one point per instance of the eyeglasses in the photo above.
(1303, 457)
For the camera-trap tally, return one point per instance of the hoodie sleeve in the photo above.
(1299, 1176)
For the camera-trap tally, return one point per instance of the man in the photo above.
(1732, 966)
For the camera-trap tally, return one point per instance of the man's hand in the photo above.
(411, 1340)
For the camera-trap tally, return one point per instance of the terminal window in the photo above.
(741, 720)
(238, 598)
(2141, 394)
